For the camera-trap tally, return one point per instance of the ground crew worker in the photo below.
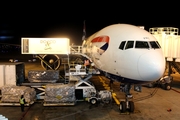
(22, 102)
(87, 65)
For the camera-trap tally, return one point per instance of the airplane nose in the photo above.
(151, 66)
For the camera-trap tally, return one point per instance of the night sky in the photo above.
(60, 19)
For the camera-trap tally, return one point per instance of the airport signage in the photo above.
(45, 46)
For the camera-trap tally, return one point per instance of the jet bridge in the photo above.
(169, 39)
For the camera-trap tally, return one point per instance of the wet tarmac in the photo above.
(150, 104)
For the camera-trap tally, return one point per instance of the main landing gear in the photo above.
(127, 104)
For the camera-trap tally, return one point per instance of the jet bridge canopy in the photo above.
(169, 40)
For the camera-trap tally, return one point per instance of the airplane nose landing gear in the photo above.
(127, 104)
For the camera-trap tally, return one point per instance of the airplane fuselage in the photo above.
(128, 52)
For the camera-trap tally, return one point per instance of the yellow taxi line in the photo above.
(106, 86)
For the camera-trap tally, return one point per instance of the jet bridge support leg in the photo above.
(127, 104)
(169, 69)
(165, 82)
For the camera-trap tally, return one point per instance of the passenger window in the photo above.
(141, 44)
(129, 44)
(122, 45)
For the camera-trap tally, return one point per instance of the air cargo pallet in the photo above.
(15, 103)
(59, 104)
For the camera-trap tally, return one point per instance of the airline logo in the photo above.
(102, 42)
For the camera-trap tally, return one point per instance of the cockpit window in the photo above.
(122, 45)
(154, 44)
(158, 44)
(141, 44)
(129, 44)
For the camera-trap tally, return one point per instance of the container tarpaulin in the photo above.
(43, 76)
(59, 93)
(12, 93)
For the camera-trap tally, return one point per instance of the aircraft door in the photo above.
(118, 59)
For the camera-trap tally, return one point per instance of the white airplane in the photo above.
(128, 54)
(125, 53)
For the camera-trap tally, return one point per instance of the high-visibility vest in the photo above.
(21, 100)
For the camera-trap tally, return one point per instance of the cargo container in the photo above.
(12, 73)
